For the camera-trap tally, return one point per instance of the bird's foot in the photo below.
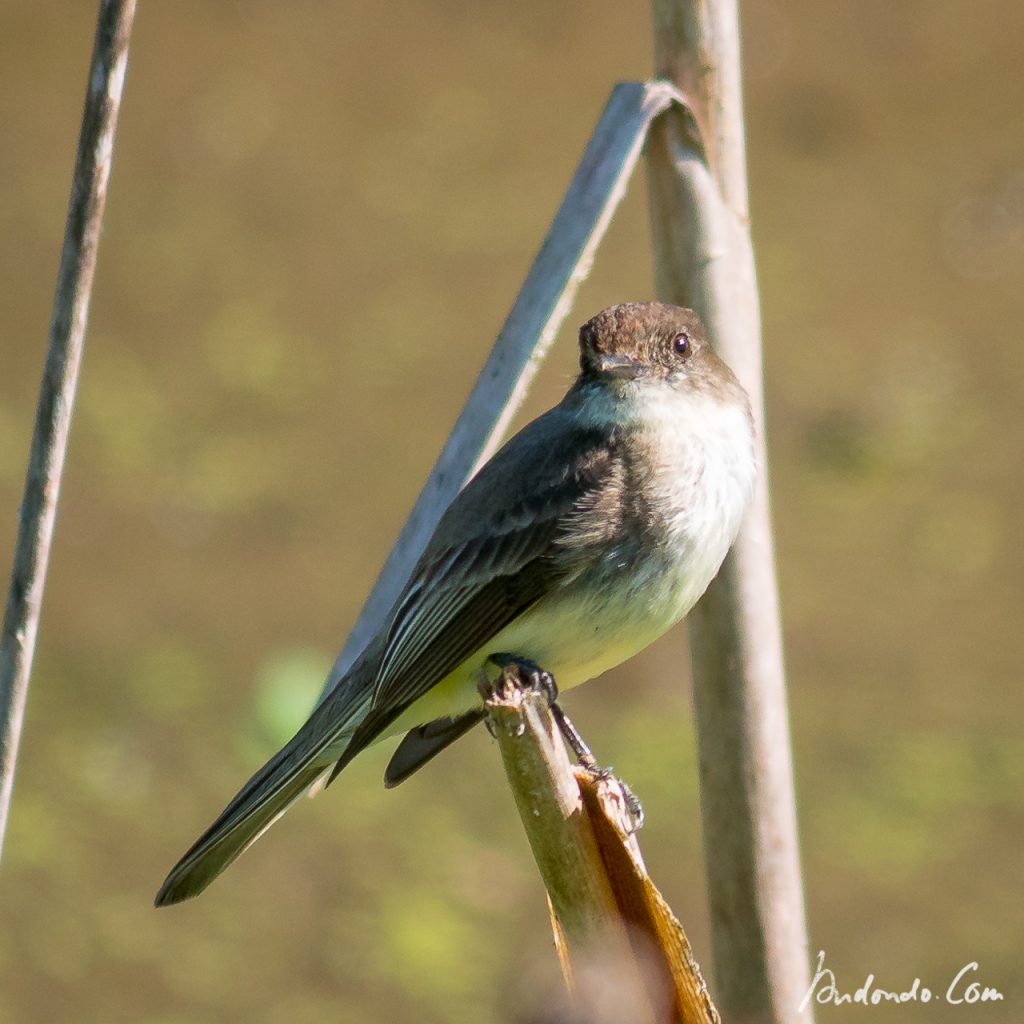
(521, 673)
(518, 673)
(634, 808)
(526, 674)
(588, 762)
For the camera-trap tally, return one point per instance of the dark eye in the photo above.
(681, 344)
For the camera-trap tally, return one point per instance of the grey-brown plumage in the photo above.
(586, 536)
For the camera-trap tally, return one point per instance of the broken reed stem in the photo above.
(624, 955)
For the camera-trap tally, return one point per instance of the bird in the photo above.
(587, 536)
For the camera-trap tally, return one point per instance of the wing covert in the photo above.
(497, 550)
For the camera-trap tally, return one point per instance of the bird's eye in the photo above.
(681, 344)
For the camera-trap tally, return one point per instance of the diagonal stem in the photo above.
(542, 304)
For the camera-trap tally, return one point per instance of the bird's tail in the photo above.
(263, 799)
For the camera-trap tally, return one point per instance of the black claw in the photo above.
(526, 673)
(545, 682)
(635, 808)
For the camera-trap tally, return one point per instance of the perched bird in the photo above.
(589, 534)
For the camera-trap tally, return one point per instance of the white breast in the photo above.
(700, 481)
(705, 468)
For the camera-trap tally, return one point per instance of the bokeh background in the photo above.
(319, 216)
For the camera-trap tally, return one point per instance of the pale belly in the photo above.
(578, 633)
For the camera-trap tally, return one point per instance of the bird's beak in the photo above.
(618, 367)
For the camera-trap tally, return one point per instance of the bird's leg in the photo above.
(526, 673)
(576, 742)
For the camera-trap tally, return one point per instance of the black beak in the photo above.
(618, 367)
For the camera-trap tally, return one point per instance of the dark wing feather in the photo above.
(476, 612)
(494, 554)
(424, 742)
(481, 593)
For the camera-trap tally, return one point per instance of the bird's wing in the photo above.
(424, 742)
(496, 552)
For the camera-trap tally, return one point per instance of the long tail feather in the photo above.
(326, 736)
(263, 799)
(267, 795)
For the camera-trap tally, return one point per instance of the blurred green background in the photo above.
(318, 218)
